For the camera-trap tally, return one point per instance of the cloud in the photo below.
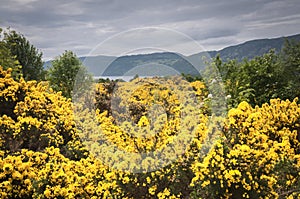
(58, 25)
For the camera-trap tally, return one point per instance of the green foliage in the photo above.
(191, 78)
(103, 80)
(291, 68)
(63, 72)
(265, 77)
(27, 55)
(260, 79)
(7, 60)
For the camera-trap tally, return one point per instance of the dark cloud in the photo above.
(58, 25)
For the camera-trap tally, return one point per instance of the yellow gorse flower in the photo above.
(255, 153)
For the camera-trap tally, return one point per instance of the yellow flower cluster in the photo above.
(200, 89)
(47, 151)
(148, 116)
(33, 117)
(42, 155)
(258, 155)
(51, 175)
(65, 178)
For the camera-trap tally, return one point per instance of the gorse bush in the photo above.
(34, 117)
(257, 156)
(51, 148)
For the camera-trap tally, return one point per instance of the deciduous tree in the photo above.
(27, 55)
(63, 72)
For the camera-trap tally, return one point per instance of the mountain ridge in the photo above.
(102, 65)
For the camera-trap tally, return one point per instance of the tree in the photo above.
(265, 77)
(63, 72)
(7, 60)
(235, 80)
(290, 56)
(256, 81)
(28, 56)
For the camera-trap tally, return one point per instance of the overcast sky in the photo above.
(56, 25)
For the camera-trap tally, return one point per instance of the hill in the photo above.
(150, 64)
(253, 48)
(171, 62)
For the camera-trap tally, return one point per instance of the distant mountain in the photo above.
(154, 64)
(157, 63)
(93, 63)
(252, 48)
(167, 63)
(96, 64)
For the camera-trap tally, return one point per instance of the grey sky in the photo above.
(57, 25)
